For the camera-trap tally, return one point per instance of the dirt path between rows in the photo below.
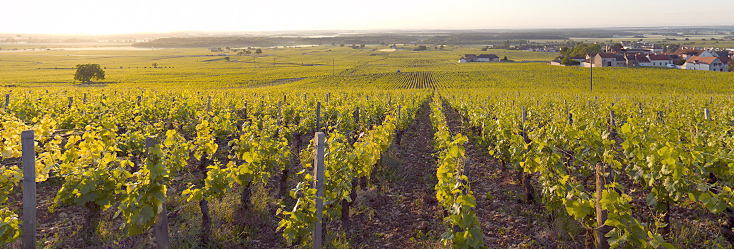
(507, 222)
(400, 210)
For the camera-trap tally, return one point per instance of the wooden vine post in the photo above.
(28, 147)
(280, 112)
(318, 231)
(318, 116)
(706, 113)
(525, 177)
(603, 175)
(161, 221)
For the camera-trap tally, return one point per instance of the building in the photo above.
(705, 64)
(480, 58)
(659, 60)
(609, 60)
(637, 60)
(487, 58)
(686, 53)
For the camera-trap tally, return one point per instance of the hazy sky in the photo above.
(129, 16)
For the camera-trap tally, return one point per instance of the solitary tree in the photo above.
(259, 51)
(155, 65)
(566, 61)
(226, 58)
(85, 72)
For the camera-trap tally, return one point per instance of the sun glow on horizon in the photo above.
(137, 16)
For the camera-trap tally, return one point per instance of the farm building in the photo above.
(705, 64)
(480, 58)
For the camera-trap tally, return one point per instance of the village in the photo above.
(637, 54)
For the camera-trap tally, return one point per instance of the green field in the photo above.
(331, 66)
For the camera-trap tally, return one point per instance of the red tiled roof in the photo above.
(682, 51)
(701, 60)
(642, 58)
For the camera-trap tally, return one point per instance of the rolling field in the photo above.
(496, 155)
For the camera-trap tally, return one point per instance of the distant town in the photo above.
(628, 54)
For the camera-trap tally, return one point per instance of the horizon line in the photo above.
(382, 30)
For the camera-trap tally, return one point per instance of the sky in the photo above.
(93, 17)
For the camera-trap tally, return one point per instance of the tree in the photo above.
(85, 72)
(504, 59)
(731, 66)
(155, 65)
(420, 48)
(259, 51)
(569, 62)
(226, 58)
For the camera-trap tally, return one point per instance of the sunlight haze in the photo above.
(113, 17)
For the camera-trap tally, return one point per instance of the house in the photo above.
(609, 60)
(487, 58)
(631, 60)
(589, 56)
(705, 64)
(480, 58)
(714, 53)
(659, 60)
(643, 60)
(468, 58)
(613, 49)
(725, 60)
(686, 53)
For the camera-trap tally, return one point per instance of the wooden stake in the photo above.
(706, 113)
(319, 182)
(280, 113)
(27, 139)
(318, 116)
(603, 175)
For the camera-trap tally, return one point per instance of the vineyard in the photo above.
(349, 148)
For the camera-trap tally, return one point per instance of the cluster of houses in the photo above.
(479, 58)
(683, 58)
